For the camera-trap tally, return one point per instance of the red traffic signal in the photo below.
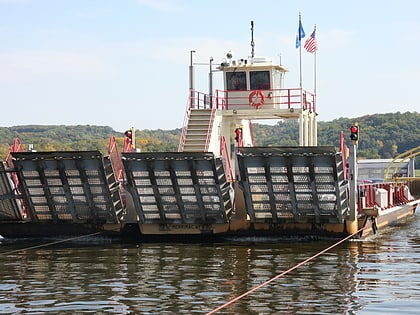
(354, 133)
(238, 134)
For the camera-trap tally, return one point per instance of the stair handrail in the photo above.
(209, 129)
(186, 120)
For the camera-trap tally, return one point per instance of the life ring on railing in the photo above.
(256, 98)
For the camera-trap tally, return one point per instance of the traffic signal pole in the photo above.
(353, 196)
(352, 177)
(351, 219)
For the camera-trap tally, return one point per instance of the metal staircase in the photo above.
(198, 130)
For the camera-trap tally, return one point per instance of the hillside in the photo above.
(381, 135)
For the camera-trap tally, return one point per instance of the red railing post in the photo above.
(224, 152)
(115, 158)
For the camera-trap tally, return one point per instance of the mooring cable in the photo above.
(55, 242)
(283, 273)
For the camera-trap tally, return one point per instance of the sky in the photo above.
(125, 63)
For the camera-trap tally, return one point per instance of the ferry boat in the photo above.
(217, 184)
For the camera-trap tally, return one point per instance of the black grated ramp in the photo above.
(291, 184)
(177, 187)
(65, 186)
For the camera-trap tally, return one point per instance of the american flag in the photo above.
(310, 43)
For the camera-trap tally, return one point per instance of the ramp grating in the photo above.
(177, 187)
(285, 185)
(65, 186)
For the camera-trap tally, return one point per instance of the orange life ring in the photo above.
(256, 98)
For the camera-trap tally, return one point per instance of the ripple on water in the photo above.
(377, 276)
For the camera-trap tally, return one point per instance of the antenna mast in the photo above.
(252, 39)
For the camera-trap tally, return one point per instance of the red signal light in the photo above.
(354, 133)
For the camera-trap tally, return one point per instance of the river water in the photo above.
(380, 275)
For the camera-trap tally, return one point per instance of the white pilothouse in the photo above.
(253, 90)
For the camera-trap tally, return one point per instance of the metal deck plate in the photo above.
(177, 187)
(65, 186)
(291, 185)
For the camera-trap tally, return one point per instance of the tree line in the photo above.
(380, 136)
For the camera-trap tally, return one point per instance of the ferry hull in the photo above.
(295, 191)
(33, 230)
(374, 224)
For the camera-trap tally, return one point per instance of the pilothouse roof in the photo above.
(256, 63)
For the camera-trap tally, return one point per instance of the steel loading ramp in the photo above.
(67, 187)
(178, 192)
(293, 185)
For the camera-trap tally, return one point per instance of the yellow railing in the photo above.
(400, 158)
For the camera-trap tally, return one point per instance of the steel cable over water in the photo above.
(283, 273)
(53, 243)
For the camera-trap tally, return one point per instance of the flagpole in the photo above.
(300, 52)
(300, 66)
(300, 35)
(315, 67)
(315, 124)
(311, 47)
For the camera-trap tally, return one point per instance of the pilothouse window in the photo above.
(259, 80)
(236, 81)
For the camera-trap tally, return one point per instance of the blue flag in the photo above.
(300, 34)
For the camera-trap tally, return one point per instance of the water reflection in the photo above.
(168, 279)
(389, 271)
(197, 278)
